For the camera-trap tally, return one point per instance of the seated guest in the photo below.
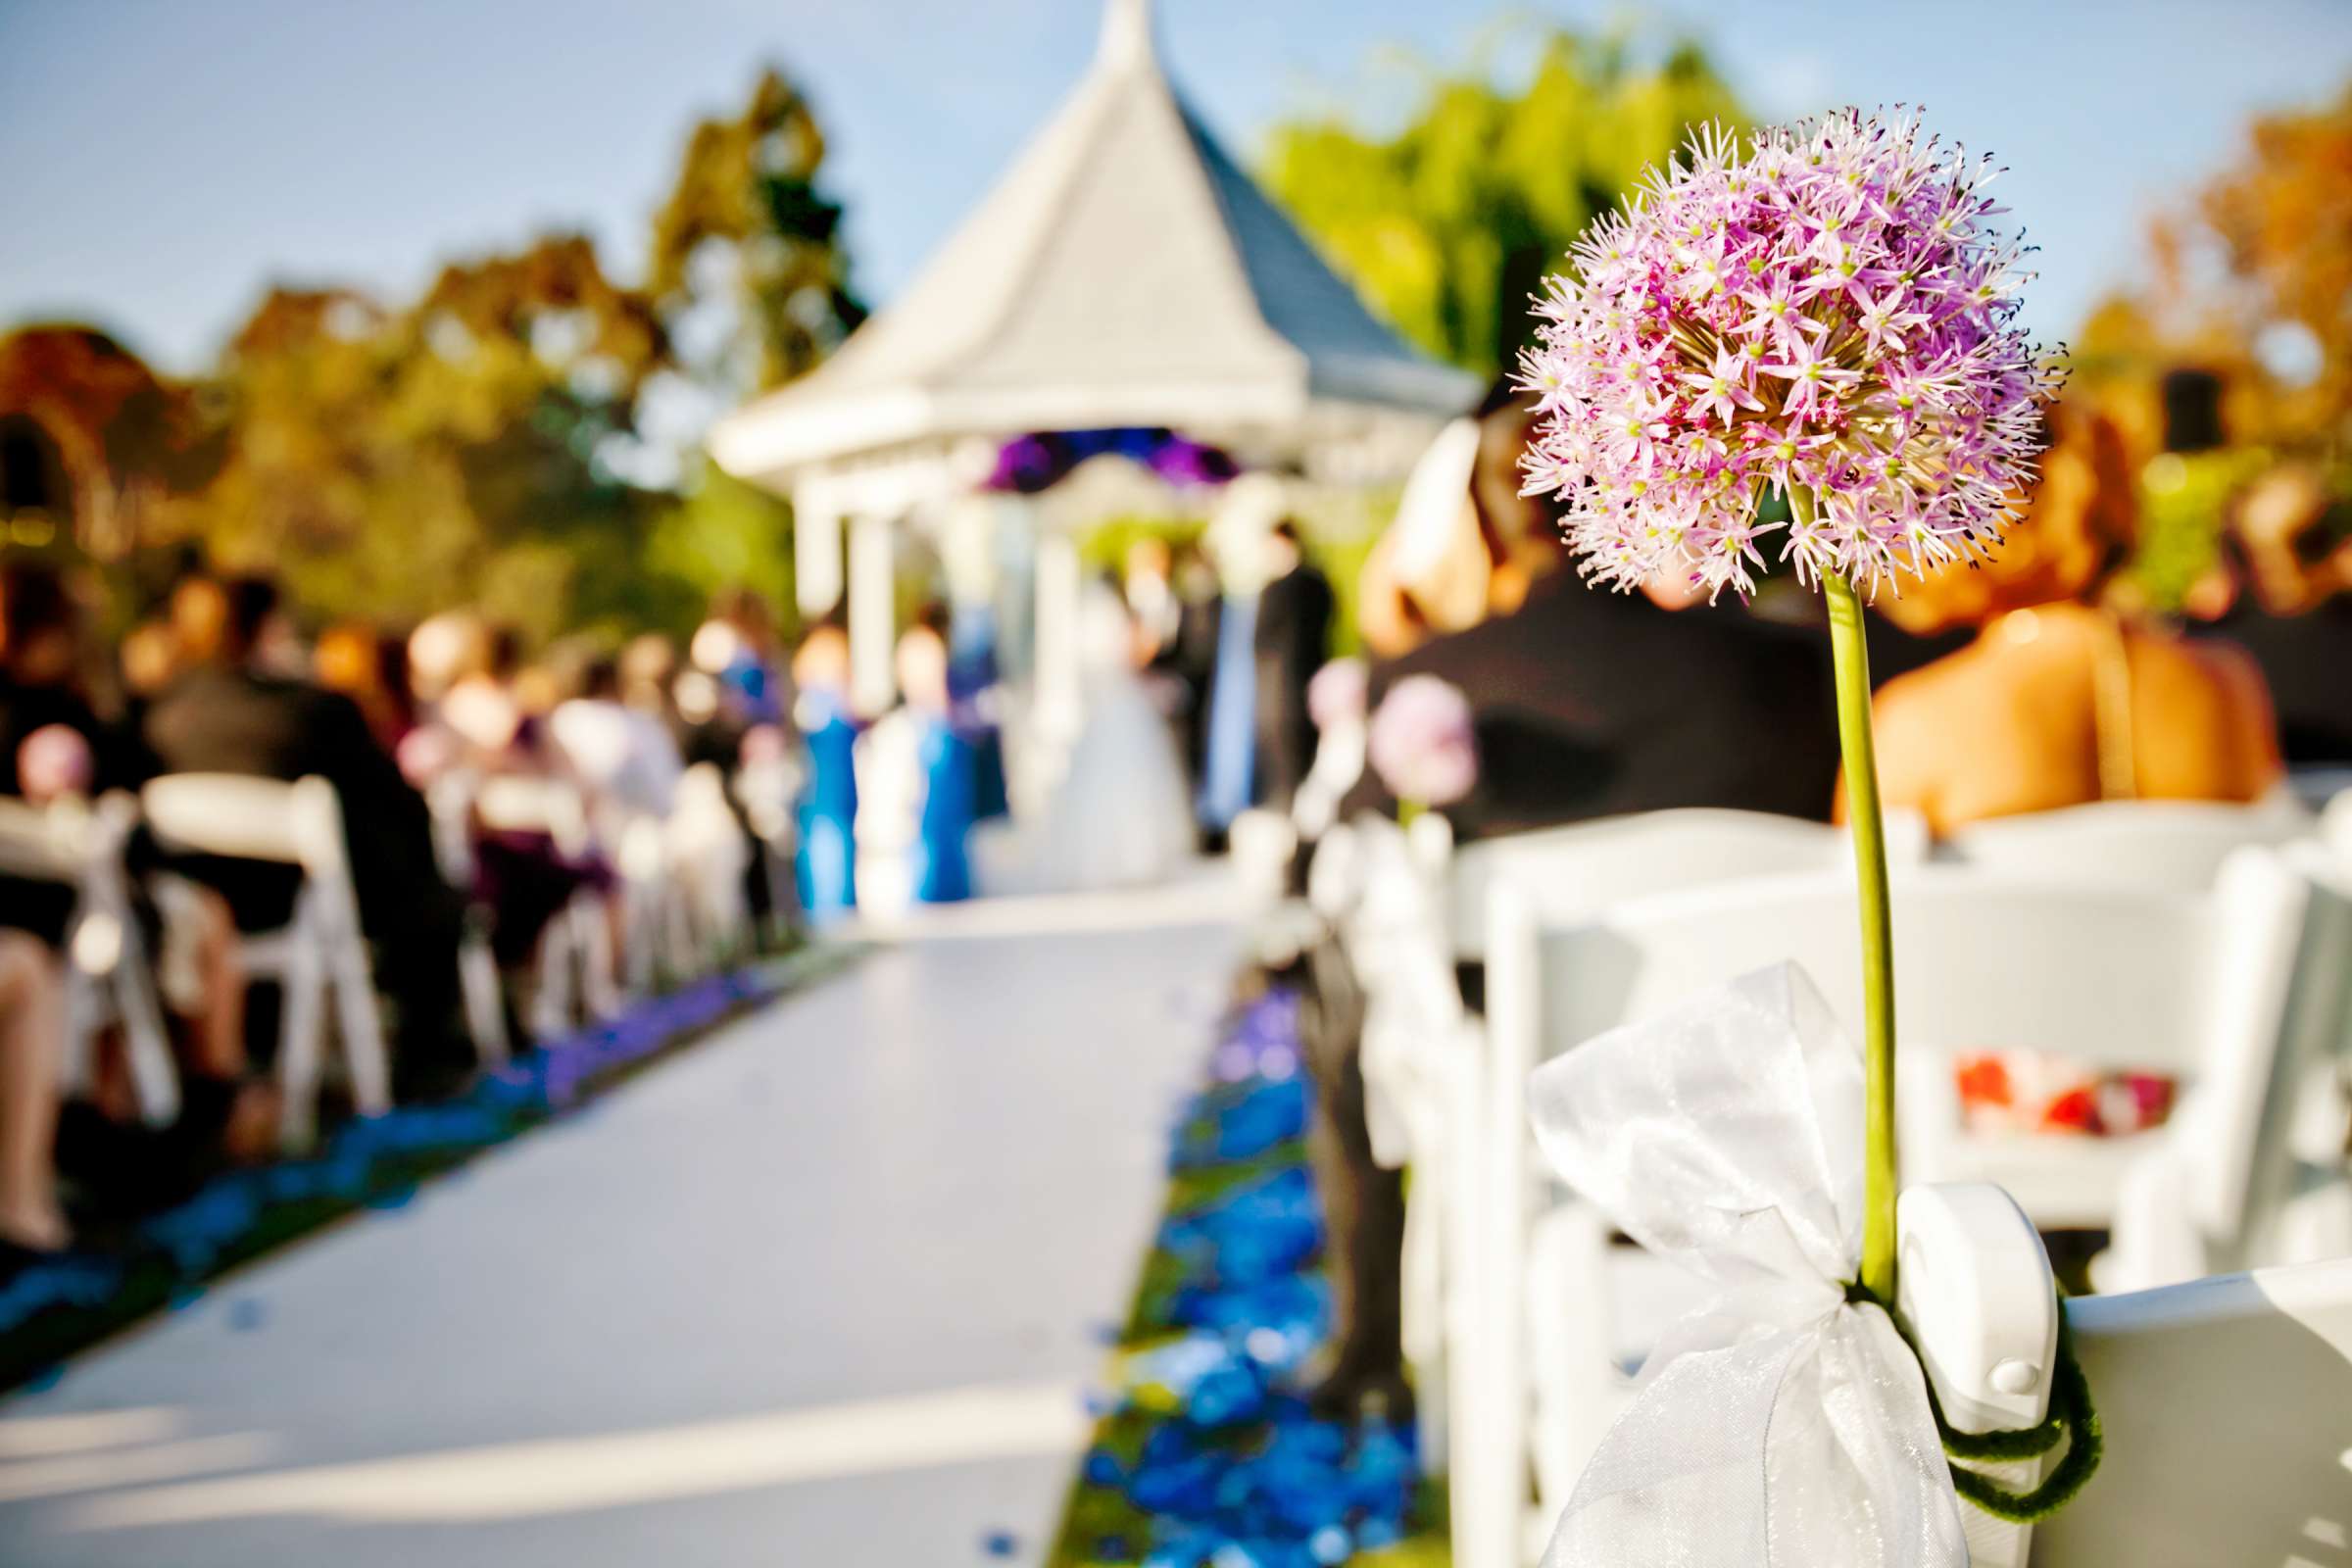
(40, 647)
(2283, 593)
(228, 714)
(621, 753)
(2057, 702)
(1591, 704)
(485, 721)
(53, 744)
(372, 670)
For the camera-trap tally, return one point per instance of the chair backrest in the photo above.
(701, 816)
(41, 844)
(2282, 1027)
(525, 802)
(2159, 843)
(2226, 1408)
(2241, 989)
(2106, 975)
(1575, 870)
(246, 818)
(448, 802)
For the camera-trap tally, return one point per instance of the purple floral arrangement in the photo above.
(1824, 311)
(1043, 458)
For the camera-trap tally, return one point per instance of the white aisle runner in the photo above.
(822, 1291)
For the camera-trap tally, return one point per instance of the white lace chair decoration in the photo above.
(1419, 1055)
(2106, 976)
(2176, 844)
(576, 975)
(108, 977)
(320, 957)
(1574, 871)
(2226, 1405)
(1340, 753)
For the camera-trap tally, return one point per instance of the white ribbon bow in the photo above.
(1779, 1425)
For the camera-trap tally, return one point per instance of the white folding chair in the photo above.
(1419, 1055)
(108, 975)
(576, 966)
(2335, 825)
(767, 790)
(1574, 871)
(707, 856)
(449, 801)
(1591, 865)
(2177, 845)
(2226, 1405)
(319, 953)
(2104, 975)
(2253, 1168)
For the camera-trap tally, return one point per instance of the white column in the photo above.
(815, 553)
(873, 637)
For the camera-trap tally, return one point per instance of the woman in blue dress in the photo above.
(827, 864)
(949, 764)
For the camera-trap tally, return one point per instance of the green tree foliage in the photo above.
(392, 462)
(497, 441)
(724, 534)
(748, 234)
(1448, 225)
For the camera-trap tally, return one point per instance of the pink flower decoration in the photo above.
(1338, 692)
(1825, 308)
(1422, 743)
(53, 760)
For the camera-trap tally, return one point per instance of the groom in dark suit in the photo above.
(1291, 640)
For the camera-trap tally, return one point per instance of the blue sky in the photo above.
(163, 161)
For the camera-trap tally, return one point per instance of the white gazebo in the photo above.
(1124, 273)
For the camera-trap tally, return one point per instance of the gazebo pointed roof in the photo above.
(1124, 271)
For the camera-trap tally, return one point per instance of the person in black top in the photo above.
(225, 715)
(1292, 638)
(39, 636)
(1593, 704)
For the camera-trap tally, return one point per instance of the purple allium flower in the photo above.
(1422, 744)
(1824, 312)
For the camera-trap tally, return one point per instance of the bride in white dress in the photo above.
(1121, 815)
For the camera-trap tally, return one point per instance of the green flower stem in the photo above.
(1851, 657)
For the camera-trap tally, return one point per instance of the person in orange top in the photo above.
(2062, 701)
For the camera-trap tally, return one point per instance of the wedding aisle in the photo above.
(828, 1288)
